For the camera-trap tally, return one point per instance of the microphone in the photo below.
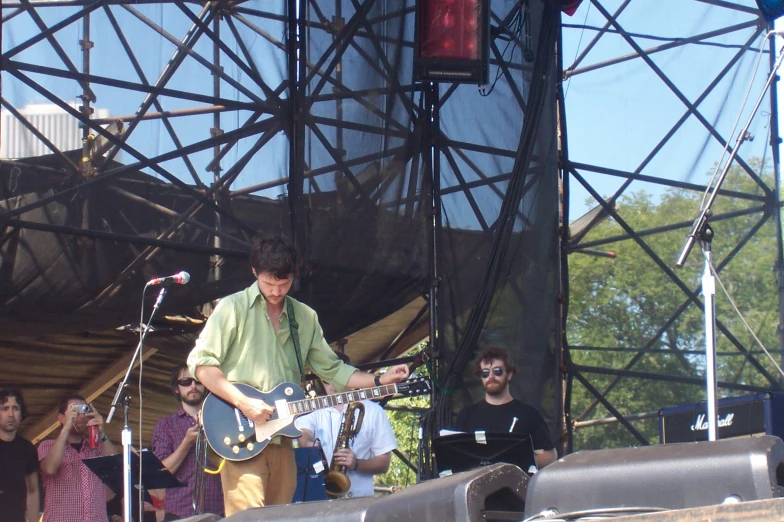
(177, 279)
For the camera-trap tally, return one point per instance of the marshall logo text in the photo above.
(701, 424)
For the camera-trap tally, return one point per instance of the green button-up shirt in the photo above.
(239, 338)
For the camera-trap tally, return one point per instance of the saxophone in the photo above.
(336, 481)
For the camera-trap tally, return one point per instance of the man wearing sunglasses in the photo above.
(499, 412)
(174, 442)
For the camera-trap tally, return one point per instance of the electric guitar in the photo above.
(235, 437)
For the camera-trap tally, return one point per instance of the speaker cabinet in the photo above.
(670, 476)
(475, 495)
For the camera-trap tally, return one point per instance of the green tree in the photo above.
(618, 306)
(405, 423)
(406, 427)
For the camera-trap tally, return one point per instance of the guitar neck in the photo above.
(327, 401)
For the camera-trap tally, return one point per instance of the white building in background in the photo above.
(59, 127)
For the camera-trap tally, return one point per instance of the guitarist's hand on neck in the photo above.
(366, 380)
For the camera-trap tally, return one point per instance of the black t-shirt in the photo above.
(482, 416)
(18, 459)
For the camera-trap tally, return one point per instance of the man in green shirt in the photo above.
(247, 339)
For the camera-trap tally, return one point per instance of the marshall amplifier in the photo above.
(759, 414)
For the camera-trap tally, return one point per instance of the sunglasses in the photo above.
(497, 371)
(187, 381)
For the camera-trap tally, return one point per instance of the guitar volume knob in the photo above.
(235, 449)
(241, 438)
(227, 441)
(250, 446)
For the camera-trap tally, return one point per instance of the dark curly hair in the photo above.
(494, 352)
(274, 255)
(174, 377)
(7, 393)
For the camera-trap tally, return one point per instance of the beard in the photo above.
(193, 402)
(495, 387)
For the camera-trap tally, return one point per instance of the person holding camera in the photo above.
(71, 491)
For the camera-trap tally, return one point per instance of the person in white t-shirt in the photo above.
(368, 454)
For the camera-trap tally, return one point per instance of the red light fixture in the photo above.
(452, 40)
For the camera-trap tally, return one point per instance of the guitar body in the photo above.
(232, 436)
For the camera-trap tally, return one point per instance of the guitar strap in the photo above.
(294, 329)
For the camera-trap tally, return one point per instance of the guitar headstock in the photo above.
(421, 386)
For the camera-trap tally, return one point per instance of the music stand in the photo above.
(110, 470)
(310, 483)
(465, 451)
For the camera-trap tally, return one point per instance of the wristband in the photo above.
(377, 380)
(105, 437)
(356, 460)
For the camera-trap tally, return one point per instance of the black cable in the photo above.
(507, 216)
(516, 28)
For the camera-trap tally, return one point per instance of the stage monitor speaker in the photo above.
(475, 495)
(670, 476)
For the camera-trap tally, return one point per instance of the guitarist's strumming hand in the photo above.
(255, 409)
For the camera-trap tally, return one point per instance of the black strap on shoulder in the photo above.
(294, 329)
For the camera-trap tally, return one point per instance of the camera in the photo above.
(82, 408)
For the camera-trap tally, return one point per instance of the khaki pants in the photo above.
(268, 479)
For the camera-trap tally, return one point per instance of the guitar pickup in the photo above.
(282, 407)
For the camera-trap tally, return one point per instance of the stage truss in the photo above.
(208, 100)
(231, 104)
(675, 75)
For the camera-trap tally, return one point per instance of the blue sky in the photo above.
(617, 114)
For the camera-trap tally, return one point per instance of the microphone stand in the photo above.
(123, 397)
(702, 231)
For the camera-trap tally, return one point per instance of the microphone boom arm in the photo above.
(701, 230)
(122, 397)
(704, 213)
(142, 336)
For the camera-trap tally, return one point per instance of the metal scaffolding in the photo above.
(613, 42)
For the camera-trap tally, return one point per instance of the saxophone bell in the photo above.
(337, 482)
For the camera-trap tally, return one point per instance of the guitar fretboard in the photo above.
(317, 403)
